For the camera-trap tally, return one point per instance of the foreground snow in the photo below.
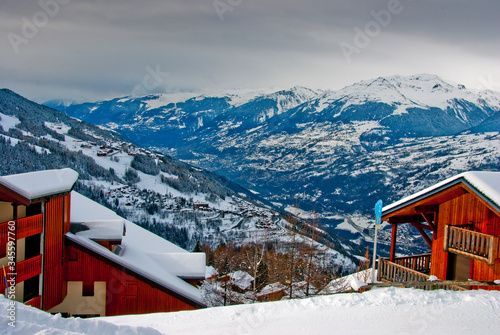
(380, 311)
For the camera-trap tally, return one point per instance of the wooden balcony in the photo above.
(472, 244)
(397, 273)
(35, 302)
(27, 226)
(29, 268)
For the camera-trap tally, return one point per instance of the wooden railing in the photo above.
(420, 263)
(392, 272)
(29, 226)
(476, 245)
(29, 268)
(35, 302)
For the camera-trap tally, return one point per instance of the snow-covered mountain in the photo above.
(178, 201)
(335, 152)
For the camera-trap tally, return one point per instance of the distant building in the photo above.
(75, 257)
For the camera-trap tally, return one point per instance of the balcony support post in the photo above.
(393, 241)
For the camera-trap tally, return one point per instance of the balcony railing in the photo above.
(396, 273)
(420, 263)
(35, 302)
(27, 226)
(29, 268)
(476, 245)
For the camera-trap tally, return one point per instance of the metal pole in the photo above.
(374, 254)
(378, 221)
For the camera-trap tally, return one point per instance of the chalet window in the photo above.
(131, 289)
(31, 288)
(32, 246)
(88, 289)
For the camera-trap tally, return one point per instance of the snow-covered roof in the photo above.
(210, 271)
(107, 230)
(485, 183)
(241, 279)
(143, 252)
(40, 184)
(272, 288)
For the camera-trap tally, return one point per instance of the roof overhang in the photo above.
(34, 187)
(436, 195)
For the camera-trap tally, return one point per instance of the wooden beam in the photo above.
(427, 209)
(424, 235)
(421, 225)
(393, 242)
(430, 223)
(405, 219)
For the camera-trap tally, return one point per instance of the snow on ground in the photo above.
(379, 311)
(8, 122)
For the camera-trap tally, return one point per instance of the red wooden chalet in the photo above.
(460, 220)
(64, 253)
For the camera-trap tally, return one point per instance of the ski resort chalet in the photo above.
(63, 253)
(460, 220)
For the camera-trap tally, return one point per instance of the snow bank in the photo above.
(379, 311)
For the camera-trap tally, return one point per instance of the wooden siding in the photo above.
(126, 293)
(54, 284)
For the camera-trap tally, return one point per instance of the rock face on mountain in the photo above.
(332, 151)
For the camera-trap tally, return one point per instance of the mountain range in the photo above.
(173, 199)
(334, 152)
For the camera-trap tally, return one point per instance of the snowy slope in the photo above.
(380, 311)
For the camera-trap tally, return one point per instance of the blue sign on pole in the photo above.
(378, 213)
(378, 221)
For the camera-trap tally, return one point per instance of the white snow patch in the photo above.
(8, 122)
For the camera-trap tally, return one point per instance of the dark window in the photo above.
(88, 289)
(32, 246)
(34, 209)
(31, 288)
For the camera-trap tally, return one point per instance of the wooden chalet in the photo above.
(460, 220)
(64, 253)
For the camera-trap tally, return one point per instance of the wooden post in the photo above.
(492, 254)
(393, 242)
(445, 243)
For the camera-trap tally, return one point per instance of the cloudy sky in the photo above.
(89, 50)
